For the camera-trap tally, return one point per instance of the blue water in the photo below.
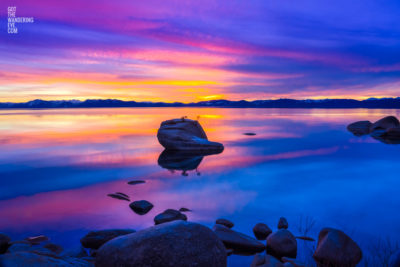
(57, 166)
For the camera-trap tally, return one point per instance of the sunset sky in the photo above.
(163, 50)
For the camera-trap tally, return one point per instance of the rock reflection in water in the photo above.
(182, 160)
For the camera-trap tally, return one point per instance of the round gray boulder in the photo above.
(173, 244)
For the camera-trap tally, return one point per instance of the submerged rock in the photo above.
(264, 260)
(34, 240)
(168, 216)
(4, 243)
(141, 207)
(177, 244)
(359, 128)
(96, 239)
(261, 231)
(282, 243)
(240, 243)
(118, 196)
(335, 248)
(283, 224)
(183, 209)
(185, 134)
(249, 134)
(136, 182)
(31, 259)
(225, 222)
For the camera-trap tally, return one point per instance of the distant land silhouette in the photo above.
(384, 103)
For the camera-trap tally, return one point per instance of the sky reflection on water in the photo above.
(57, 166)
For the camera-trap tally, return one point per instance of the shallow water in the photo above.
(57, 166)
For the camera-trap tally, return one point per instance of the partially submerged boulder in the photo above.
(225, 222)
(240, 243)
(177, 244)
(169, 215)
(96, 239)
(385, 123)
(282, 243)
(141, 207)
(359, 128)
(335, 248)
(386, 130)
(185, 134)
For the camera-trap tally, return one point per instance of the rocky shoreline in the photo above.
(174, 241)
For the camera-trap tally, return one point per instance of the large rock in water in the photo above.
(240, 243)
(141, 207)
(359, 128)
(282, 243)
(173, 244)
(385, 123)
(185, 134)
(335, 248)
(96, 239)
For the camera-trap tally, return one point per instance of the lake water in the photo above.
(57, 167)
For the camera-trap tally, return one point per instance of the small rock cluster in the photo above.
(386, 129)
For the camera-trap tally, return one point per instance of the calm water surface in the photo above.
(57, 166)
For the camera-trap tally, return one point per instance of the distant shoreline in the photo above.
(372, 103)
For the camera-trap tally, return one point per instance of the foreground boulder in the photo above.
(225, 222)
(335, 248)
(185, 134)
(169, 215)
(141, 207)
(240, 243)
(4, 243)
(175, 244)
(96, 239)
(261, 231)
(282, 243)
(359, 128)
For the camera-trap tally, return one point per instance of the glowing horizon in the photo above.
(162, 51)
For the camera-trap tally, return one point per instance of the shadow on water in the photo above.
(182, 160)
